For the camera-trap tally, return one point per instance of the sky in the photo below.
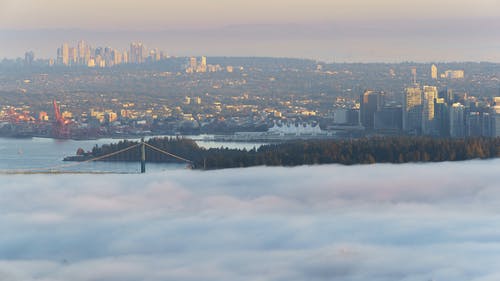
(383, 222)
(330, 30)
(154, 14)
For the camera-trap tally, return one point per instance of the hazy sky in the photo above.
(331, 30)
(306, 223)
(157, 14)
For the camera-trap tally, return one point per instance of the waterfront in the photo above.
(28, 154)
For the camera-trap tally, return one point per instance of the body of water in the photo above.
(34, 154)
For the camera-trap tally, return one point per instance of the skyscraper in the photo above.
(496, 119)
(434, 72)
(478, 123)
(370, 102)
(154, 55)
(29, 57)
(412, 110)
(82, 50)
(429, 97)
(388, 120)
(116, 57)
(108, 56)
(59, 56)
(457, 121)
(414, 75)
(65, 54)
(192, 63)
(442, 117)
(137, 51)
(72, 56)
(125, 57)
(447, 95)
(203, 65)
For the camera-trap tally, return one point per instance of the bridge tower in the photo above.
(143, 156)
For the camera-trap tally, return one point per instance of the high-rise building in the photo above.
(72, 56)
(457, 121)
(388, 120)
(29, 58)
(193, 64)
(99, 61)
(434, 72)
(125, 57)
(87, 55)
(370, 102)
(414, 75)
(59, 56)
(203, 65)
(495, 112)
(488, 124)
(447, 95)
(82, 49)
(154, 55)
(442, 117)
(454, 74)
(429, 97)
(108, 56)
(137, 52)
(412, 110)
(65, 54)
(479, 123)
(116, 57)
(99, 51)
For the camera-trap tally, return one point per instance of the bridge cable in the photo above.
(168, 153)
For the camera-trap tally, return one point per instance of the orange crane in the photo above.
(60, 127)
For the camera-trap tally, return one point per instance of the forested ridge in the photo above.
(311, 152)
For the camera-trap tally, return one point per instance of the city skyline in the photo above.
(331, 31)
(284, 140)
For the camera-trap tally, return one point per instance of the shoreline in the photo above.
(306, 152)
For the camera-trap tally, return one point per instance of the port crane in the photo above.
(60, 125)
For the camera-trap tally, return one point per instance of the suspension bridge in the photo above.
(69, 167)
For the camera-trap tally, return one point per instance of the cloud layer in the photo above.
(376, 222)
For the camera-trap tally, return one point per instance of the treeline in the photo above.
(310, 152)
(358, 151)
(183, 147)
